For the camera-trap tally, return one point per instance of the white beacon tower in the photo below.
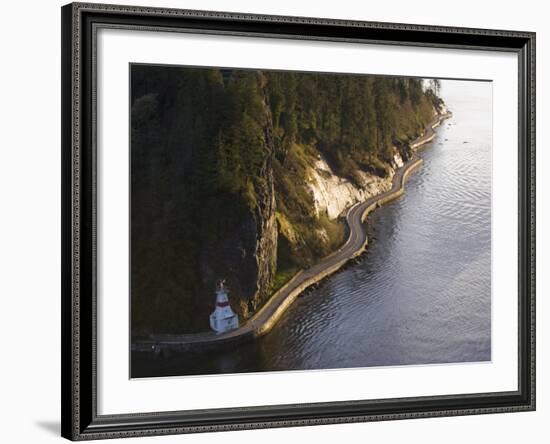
(223, 318)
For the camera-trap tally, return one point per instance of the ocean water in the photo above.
(421, 294)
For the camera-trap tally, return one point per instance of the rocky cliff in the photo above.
(333, 194)
(246, 176)
(246, 254)
(203, 200)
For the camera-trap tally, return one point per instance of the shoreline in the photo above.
(265, 319)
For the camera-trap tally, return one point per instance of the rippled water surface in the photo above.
(422, 292)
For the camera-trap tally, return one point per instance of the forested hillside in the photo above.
(220, 166)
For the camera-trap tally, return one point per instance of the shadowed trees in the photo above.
(211, 147)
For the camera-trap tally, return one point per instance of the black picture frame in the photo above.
(78, 334)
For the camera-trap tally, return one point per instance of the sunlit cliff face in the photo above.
(333, 194)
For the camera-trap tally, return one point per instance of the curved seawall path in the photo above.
(262, 322)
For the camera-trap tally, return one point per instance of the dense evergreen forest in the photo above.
(219, 163)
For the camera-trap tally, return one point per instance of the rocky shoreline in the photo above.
(262, 322)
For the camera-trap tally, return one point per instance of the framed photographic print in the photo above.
(279, 221)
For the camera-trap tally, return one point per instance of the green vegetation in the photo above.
(282, 277)
(353, 120)
(220, 160)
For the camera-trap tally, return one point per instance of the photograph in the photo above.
(295, 221)
(274, 220)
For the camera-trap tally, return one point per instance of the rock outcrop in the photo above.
(246, 255)
(245, 175)
(333, 194)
